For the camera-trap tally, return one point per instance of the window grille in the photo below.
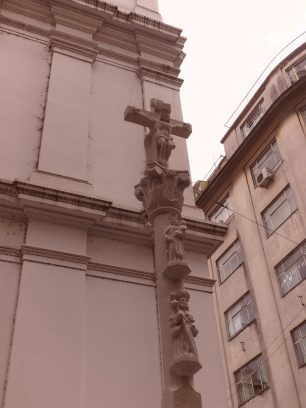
(279, 210)
(292, 270)
(303, 113)
(299, 341)
(223, 212)
(269, 159)
(297, 71)
(251, 379)
(240, 315)
(229, 261)
(253, 119)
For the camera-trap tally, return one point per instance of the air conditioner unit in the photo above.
(264, 177)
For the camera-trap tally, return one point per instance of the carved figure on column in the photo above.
(174, 235)
(158, 142)
(183, 331)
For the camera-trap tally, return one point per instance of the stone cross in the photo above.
(158, 142)
(161, 192)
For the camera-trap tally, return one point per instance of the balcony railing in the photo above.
(279, 57)
(201, 185)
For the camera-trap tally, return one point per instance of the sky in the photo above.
(229, 44)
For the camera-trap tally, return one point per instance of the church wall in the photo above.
(85, 324)
(208, 381)
(132, 256)
(24, 73)
(11, 233)
(116, 152)
(9, 278)
(122, 353)
(198, 264)
(11, 236)
(48, 342)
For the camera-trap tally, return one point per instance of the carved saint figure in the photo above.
(159, 141)
(174, 235)
(183, 329)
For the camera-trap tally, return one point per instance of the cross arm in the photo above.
(138, 116)
(180, 129)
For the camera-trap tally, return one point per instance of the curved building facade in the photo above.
(259, 192)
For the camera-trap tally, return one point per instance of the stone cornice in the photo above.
(109, 271)
(204, 236)
(78, 20)
(196, 280)
(150, 75)
(81, 49)
(118, 270)
(58, 196)
(28, 252)
(285, 103)
(37, 254)
(34, 201)
(10, 251)
(23, 201)
(39, 11)
(127, 37)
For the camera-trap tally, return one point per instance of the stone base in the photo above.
(185, 366)
(184, 397)
(177, 270)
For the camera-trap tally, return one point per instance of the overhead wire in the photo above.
(257, 223)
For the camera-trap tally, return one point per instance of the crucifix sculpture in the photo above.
(159, 141)
(161, 191)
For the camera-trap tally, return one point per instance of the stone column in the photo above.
(161, 192)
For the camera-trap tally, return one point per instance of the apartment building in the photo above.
(259, 192)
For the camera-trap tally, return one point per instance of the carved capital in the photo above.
(162, 190)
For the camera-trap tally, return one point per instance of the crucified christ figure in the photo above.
(159, 141)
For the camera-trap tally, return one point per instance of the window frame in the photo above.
(240, 260)
(303, 114)
(300, 364)
(244, 307)
(294, 70)
(270, 231)
(285, 271)
(226, 199)
(259, 107)
(260, 157)
(261, 367)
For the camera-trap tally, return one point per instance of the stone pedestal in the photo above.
(177, 270)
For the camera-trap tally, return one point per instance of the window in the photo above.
(229, 261)
(251, 379)
(299, 341)
(292, 270)
(268, 159)
(239, 315)
(297, 71)
(279, 210)
(223, 212)
(253, 118)
(303, 113)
